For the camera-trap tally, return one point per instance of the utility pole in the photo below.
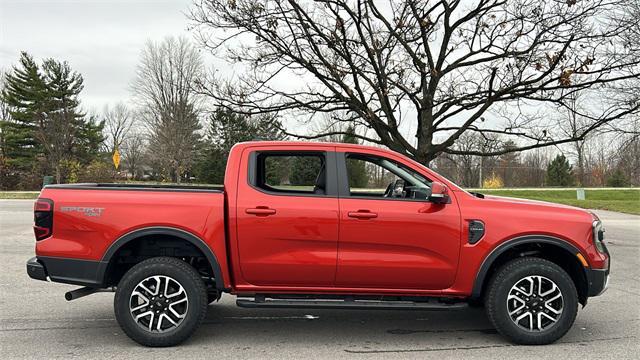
(480, 172)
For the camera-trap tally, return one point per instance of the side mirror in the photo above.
(438, 193)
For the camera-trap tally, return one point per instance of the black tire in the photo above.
(500, 286)
(181, 272)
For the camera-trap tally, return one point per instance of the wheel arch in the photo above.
(133, 236)
(511, 249)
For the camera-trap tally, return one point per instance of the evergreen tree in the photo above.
(356, 169)
(89, 140)
(63, 126)
(618, 179)
(45, 117)
(25, 93)
(226, 129)
(560, 172)
(305, 170)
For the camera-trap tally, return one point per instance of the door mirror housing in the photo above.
(439, 193)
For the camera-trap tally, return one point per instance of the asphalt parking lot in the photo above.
(37, 322)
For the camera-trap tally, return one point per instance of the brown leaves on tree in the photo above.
(565, 77)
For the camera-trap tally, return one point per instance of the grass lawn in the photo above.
(16, 195)
(626, 201)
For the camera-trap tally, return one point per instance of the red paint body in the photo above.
(267, 243)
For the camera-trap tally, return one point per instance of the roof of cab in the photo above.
(308, 143)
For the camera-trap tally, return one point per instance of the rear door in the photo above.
(287, 217)
(390, 240)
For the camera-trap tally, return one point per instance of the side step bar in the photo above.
(349, 304)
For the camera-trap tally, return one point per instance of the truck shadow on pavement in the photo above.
(351, 330)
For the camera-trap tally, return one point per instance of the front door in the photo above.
(288, 219)
(391, 237)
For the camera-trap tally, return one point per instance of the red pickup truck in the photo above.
(319, 225)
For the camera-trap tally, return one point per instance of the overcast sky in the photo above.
(101, 39)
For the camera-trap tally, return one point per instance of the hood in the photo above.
(544, 204)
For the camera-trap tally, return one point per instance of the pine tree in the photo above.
(618, 179)
(560, 172)
(45, 117)
(25, 93)
(226, 129)
(305, 170)
(63, 123)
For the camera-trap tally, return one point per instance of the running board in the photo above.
(349, 304)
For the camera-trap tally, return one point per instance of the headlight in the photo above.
(598, 236)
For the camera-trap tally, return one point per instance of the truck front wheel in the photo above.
(532, 301)
(160, 301)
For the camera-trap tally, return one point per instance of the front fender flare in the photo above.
(481, 276)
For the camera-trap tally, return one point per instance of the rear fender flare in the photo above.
(161, 230)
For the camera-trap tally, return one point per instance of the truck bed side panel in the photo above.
(87, 221)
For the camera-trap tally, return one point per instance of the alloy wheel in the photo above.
(158, 304)
(535, 303)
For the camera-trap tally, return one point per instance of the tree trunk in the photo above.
(177, 174)
(580, 153)
(58, 173)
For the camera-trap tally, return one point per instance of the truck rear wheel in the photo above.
(532, 301)
(160, 301)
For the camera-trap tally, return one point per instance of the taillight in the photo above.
(43, 218)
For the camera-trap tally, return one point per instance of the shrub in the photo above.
(493, 182)
(618, 179)
(96, 172)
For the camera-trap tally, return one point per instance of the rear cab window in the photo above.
(290, 172)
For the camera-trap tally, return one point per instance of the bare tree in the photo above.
(163, 85)
(118, 123)
(5, 115)
(431, 69)
(571, 125)
(133, 150)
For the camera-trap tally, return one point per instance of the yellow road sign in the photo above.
(116, 159)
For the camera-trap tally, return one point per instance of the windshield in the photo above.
(410, 176)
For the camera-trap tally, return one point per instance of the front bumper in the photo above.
(598, 281)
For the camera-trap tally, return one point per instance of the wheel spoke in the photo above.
(167, 317)
(141, 289)
(525, 315)
(547, 316)
(142, 297)
(553, 288)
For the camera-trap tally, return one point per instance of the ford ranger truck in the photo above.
(319, 225)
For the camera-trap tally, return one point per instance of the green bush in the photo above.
(618, 179)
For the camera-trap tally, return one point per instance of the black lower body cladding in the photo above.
(66, 270)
